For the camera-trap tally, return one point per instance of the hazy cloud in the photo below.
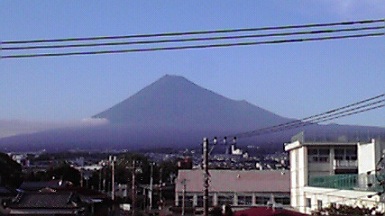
(353, 8)
(16, 127)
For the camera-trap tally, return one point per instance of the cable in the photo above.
(325, 116)
(191, 46)
(327, 112)
(329, 31)
(339, 115)
(195, 32)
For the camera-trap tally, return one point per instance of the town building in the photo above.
(238, 188)
(333, 172)
(46, 203)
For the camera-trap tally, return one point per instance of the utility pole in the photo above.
(151, 185)
(105, 189)
(112, 160)
(183, 196)
(133, 187)
(205, 176)
(160, 189)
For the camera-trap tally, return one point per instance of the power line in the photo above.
(351, 109)
(324, 31)
(296, 40)
(220, 31)
(301, 121)
(244, 135)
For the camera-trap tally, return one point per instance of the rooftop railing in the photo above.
(361, 182)
(345, 164)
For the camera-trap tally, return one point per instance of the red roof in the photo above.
(265, 211)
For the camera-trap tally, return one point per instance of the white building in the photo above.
(338, 172)
(240, 188)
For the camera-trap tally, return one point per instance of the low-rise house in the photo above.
(239, 188)
(47, 203)
(61, 201)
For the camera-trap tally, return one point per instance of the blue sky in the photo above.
(292, 80)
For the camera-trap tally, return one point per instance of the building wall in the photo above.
(368, 156)
(234, 199)
(299, 175)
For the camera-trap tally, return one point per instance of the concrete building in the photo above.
(334, 172)
(239, 188)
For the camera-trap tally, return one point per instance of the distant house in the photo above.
(239, 188)
(56, 198)
(47, 203)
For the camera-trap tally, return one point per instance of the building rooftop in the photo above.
(235, 180)
(45, 200)
(335, 137)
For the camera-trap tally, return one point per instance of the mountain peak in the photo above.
(173, 80)
(174, 101)
(173, 77)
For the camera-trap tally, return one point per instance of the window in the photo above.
(351, 154)
(262, 200)
(282, 200)
(188, 201)
(225, 199)
(200, 201)
(319, 204)
(308, 202)
(319, 155)
(245, 200)
(339, 154)
(345, 154)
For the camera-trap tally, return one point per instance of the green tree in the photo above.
(124, 168)
(66, 173)
(169, 170)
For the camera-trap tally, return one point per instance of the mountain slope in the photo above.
(173, 101)
(174, 112)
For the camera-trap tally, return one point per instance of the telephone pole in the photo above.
(151, 185)
(112, 160)
(160, 188)
(184, 196)
(133, 187)
(205, 176)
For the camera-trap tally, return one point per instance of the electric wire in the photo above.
(328, 31)
(317, 116)
(299, 123)
(351, 109)
(205, 46)
(189, 46)
(220, 31)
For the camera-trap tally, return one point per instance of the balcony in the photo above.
(346, 182)
(345, 164)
